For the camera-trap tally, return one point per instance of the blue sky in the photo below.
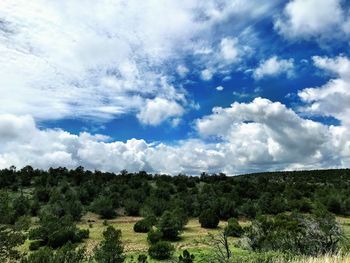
(175, 86)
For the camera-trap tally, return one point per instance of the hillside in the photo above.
(50, 208)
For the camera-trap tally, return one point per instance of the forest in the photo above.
(77, 215)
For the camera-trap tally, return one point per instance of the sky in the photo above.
(175, 86)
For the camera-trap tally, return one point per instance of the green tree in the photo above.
(104, 207)
(111, 248)
(161, 250)
(233, 229)
(170, 226)
(9, 240)
(208, 219)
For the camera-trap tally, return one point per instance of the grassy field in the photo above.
(193, 238)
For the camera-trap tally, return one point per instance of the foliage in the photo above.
(233, 229)
(296, 233)
(142, 226)
(142, 258)
(170, 226)
(104, 207)
(161, 250)
(186, 257)
(111, 248)
(208, 219)
(56, 232)
(66, 254)
(9, 240)
(153, 236)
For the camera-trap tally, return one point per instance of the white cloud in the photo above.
(274, 67)
(157, 110)
(228, 49)
(255, 136)
(182, 71)
(206, 74)
(312, 18)
(219, 88)
(333, 98)
(60, 60)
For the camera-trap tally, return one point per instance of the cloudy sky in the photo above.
(175, 86)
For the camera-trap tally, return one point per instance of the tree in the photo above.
(66, 254)
(142, 226)
(233, 229)
(104, 207)
(161, 250)
(170, 226)
(296, 233)
(56, 232)
(111, 248)
(9, 240)
(208, 219)
(153, 236)
(6, 211)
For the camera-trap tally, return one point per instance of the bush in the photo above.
(186, 257)
(35, 245)
(55, 232)
(132, 207)
(154, 236)
(142, 258)
(170, 226)
(208, 219)
(111, 248)
(142, 226)
(104, 207)
(67, 253)
(161, 250)
(297, 234)
(81, 234)
(233, 229)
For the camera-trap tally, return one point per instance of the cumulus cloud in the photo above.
(333, 98)
(157, 110)
(274, 67)
(245, 137)
(312, 19)
(110, 57)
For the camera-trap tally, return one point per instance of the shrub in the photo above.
(68, 253)
(161, 250)
(35, 245)
(208, 219)
(132, 207)
(111, 248)
(170, 226)
(233, 229)
(154, 236)
(142, 226)
(104, 207)
(186, 257)
(142, 258)
(296, 233)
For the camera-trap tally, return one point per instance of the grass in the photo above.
(192, 238)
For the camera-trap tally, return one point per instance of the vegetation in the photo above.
(161, 250)
(111, 248)
(250, 217)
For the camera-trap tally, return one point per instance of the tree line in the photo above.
(58, 197)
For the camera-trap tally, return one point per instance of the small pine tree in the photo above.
(111, 248)
(208, 219)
